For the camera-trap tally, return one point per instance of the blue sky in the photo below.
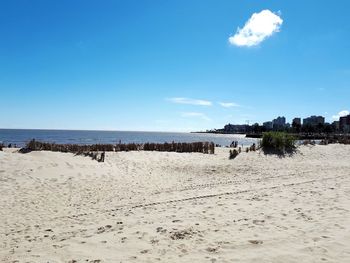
(170, 65)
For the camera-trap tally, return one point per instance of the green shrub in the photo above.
(278, 141)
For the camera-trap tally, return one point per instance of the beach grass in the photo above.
(278, 142)
(199, 147)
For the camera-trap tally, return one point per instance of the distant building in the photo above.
(344, 123)
(234, 128)
(268, 125)
(296, 121)
(335, 125)
(313, 120)
(279, 123)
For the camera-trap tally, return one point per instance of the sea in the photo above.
(20, 137)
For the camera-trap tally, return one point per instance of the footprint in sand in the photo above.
(69, 165)
(212, 249)
(258, 222)
(154, 241)
(255, 242)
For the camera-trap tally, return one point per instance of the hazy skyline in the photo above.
(171, 65)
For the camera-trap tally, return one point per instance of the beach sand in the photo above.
(176, 207)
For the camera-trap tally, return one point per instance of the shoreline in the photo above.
(21, 137)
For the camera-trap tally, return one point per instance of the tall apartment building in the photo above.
(344, 123)
(296, 121)
(313, 120)
(279, 122)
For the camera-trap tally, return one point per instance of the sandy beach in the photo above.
(176, 207)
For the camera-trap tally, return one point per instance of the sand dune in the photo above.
(172, 207)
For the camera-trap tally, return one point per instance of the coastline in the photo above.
(21, 137)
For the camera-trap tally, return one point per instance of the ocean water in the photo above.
(21, 136)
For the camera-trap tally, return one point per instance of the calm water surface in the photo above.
(20, 137)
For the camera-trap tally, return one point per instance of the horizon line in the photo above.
(60, 129)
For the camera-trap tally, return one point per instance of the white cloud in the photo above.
(228, 104)
(340, 114)
(190, 101)
(195, 115)
(259, 27)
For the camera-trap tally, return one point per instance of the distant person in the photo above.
(102, 157)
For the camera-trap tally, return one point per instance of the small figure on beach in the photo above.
(234, 144)
(102, 158)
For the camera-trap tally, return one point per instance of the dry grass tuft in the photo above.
(233, 154)
(93, 150)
